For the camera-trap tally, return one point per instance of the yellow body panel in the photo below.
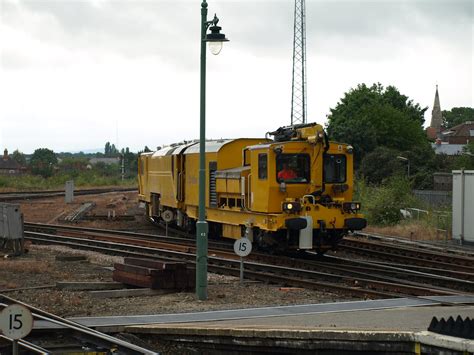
(240, 192)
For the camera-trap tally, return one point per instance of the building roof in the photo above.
(463, 129)
(448, 149)
(105, 160)
(9, 164)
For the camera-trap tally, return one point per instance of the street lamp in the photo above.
(215, 39)
(408, 164)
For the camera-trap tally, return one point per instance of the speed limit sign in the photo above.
(16, 321)
(242, 247)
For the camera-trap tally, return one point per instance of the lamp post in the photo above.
(408, 164)
(215, 40)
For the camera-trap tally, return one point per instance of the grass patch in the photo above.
(381, 206)
(84, 179)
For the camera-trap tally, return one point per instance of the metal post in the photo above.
(15, 347)
(408, 172)
(241, 270)
(123, 167)
(201, 226)
(463, 191)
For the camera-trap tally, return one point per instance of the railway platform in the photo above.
(390, 326)
(397, 330)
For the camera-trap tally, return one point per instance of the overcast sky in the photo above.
(75, 74)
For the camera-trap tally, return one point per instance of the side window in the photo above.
(262, 166)
(334, 168)
(246, 157)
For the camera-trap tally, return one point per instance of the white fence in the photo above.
(434, 198)
(463, 205)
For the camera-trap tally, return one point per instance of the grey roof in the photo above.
(211, 146)
(9, 164)
(164, 151)
(105, 160)
(448, 149)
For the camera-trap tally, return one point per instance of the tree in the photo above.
(369, 117)
(110, 150)
(74, 165)
(380, 164)
(107, 148)
(42, 162)
(457, 115)
(19, 157)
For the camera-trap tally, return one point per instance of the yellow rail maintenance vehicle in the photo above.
(292, 192)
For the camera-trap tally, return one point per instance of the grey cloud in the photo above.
(170, 29)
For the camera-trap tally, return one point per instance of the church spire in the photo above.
(436, 115)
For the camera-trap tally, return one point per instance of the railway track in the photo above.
(362, 280)
(28, 195)
(70, 337)
(409, 255)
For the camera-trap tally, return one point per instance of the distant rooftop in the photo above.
(448, 149)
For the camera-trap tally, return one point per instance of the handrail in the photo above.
(248, 192)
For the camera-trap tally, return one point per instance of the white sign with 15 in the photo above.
(16, 321)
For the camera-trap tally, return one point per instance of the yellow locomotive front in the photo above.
(292, 192)
(306, 184)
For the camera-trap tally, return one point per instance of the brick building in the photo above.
(8, 166)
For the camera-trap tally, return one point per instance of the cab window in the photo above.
(334, 168)
(262, 166)
(293, 168)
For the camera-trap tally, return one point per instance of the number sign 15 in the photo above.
(242, 247)
(16, 321)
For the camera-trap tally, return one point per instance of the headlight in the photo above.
(351, 206)
(291, 207)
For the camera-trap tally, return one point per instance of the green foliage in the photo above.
(463, 161)
(19, 157)
(381, 205)
(457, 115)
(380, 164)
(73, 166)
(42, 162)
(369, 117)
(110, 150)
(469, 148)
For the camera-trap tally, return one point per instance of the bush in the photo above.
(381, 205)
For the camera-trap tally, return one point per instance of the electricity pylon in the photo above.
(298, 90)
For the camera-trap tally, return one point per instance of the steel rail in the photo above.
(179, 240)
(257, 267)
(270, 260)
(90, 333)
(388, 255)
(440, 246)
(28, 345)
(25, 195)
(414, 252)
(188, 246)
(428, 270)
(353, 266)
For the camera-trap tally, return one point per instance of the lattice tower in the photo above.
(298, 90)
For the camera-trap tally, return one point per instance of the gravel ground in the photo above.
(39, 267)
